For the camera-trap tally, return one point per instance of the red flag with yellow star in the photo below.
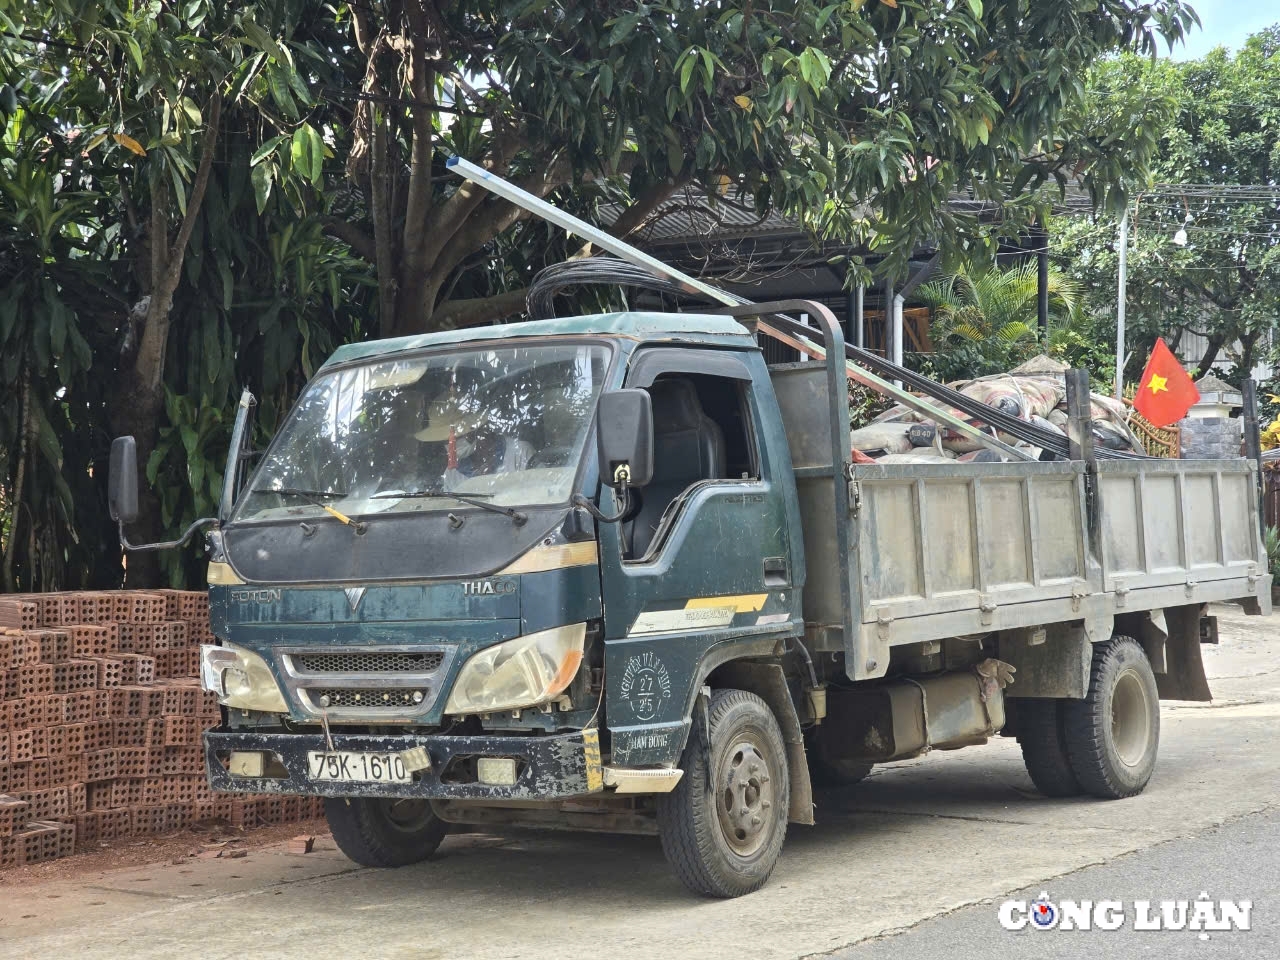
(1165, 393)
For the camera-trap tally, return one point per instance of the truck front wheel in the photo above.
(384, 832)
(723, 825)
(1113, 733)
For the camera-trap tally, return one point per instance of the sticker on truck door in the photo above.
(645, 684)
(698, 613)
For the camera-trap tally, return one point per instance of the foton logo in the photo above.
(255, 596)
(478, 588)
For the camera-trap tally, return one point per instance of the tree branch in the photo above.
(351, 235)
(421, 84)
(458, 314)
(384, 255)
(149, 360)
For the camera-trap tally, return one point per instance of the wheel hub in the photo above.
(1130, 719)
(745, 798)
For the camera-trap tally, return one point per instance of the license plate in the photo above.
(355, 767)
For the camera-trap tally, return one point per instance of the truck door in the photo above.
(706, 550)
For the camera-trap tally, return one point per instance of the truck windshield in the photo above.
(506, 424)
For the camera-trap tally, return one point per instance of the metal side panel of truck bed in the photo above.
(949, 550)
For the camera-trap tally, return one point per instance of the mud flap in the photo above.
(1184, 677)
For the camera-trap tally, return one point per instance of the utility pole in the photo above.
(1122, 284)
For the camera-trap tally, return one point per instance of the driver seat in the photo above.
(688, 446)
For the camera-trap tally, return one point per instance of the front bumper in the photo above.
(550, 767)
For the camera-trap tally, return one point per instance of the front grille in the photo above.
(367, 699)
(368, 662)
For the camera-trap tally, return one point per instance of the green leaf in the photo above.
(622, 27)
(686, 70)
(264, 151)
(976, 7)
(263, 40)
(315, 146)
(300, 152)
(262, 176)
(606, 80)
(135, 52)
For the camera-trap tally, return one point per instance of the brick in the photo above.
(132, 761)
(115, 824)
(13, 777)
(19, 714)
(10, 853)
(13, 813)
(95, 640)
(219, 808)
(4, 745)
(10, 681)
(80, 707)
(19, 615)
(36, 680)
(182, 731)
(131, 792)
(145, 607)
(110, 673)
(76, 675)
(130, 732)
(163, 662)
(22, 745)
(208, 707)
(86, 829)
(38, 775)
(73, 739)
(69, 604)
(77, 798)
(177, 761)
(37, 843)
(55, 645)
(47, 804)
(137, 668)
(148, 820)
(55, 709)
(6, 651)
(97, 607)
(100, 796)
(98, 735)
(99, 765)
(178, 816)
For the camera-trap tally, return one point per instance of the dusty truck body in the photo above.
(616, 573)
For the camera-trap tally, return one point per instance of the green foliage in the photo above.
(1220, 128)
(1271, 542)
(985, 322)
(328, 216)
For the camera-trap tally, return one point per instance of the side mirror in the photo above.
(624, 435)
(122, 480)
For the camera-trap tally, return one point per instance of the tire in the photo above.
(1044, 747)
(1113, 734)
(828, 770)
(724, 849)
(384, 832)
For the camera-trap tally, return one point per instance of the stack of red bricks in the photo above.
(101, 714)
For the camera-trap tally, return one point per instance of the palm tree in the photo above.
(986, 322)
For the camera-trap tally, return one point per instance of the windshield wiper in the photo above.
(317, 498)
(516, 516)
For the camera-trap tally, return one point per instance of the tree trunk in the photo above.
(1210, 354)
(138, 399)
(19, 481)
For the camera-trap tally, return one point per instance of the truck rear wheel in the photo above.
(1112, 735)
(723, 825)
(1044, 747)
(384, 832)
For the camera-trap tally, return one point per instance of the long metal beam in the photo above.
(594, 235)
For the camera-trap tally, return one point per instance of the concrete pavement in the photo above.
(915, 841)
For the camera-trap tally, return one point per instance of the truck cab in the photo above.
(430, 605)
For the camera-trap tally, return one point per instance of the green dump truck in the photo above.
(617, 573)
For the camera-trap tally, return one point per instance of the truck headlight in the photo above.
(240, 678)
(523, 672)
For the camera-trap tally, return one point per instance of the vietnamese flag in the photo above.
(1166, 392)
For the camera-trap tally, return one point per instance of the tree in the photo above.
(1215, 173)
(858, 118)
(200, 196)
(985, 322)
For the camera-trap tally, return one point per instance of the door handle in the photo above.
(777, 572)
